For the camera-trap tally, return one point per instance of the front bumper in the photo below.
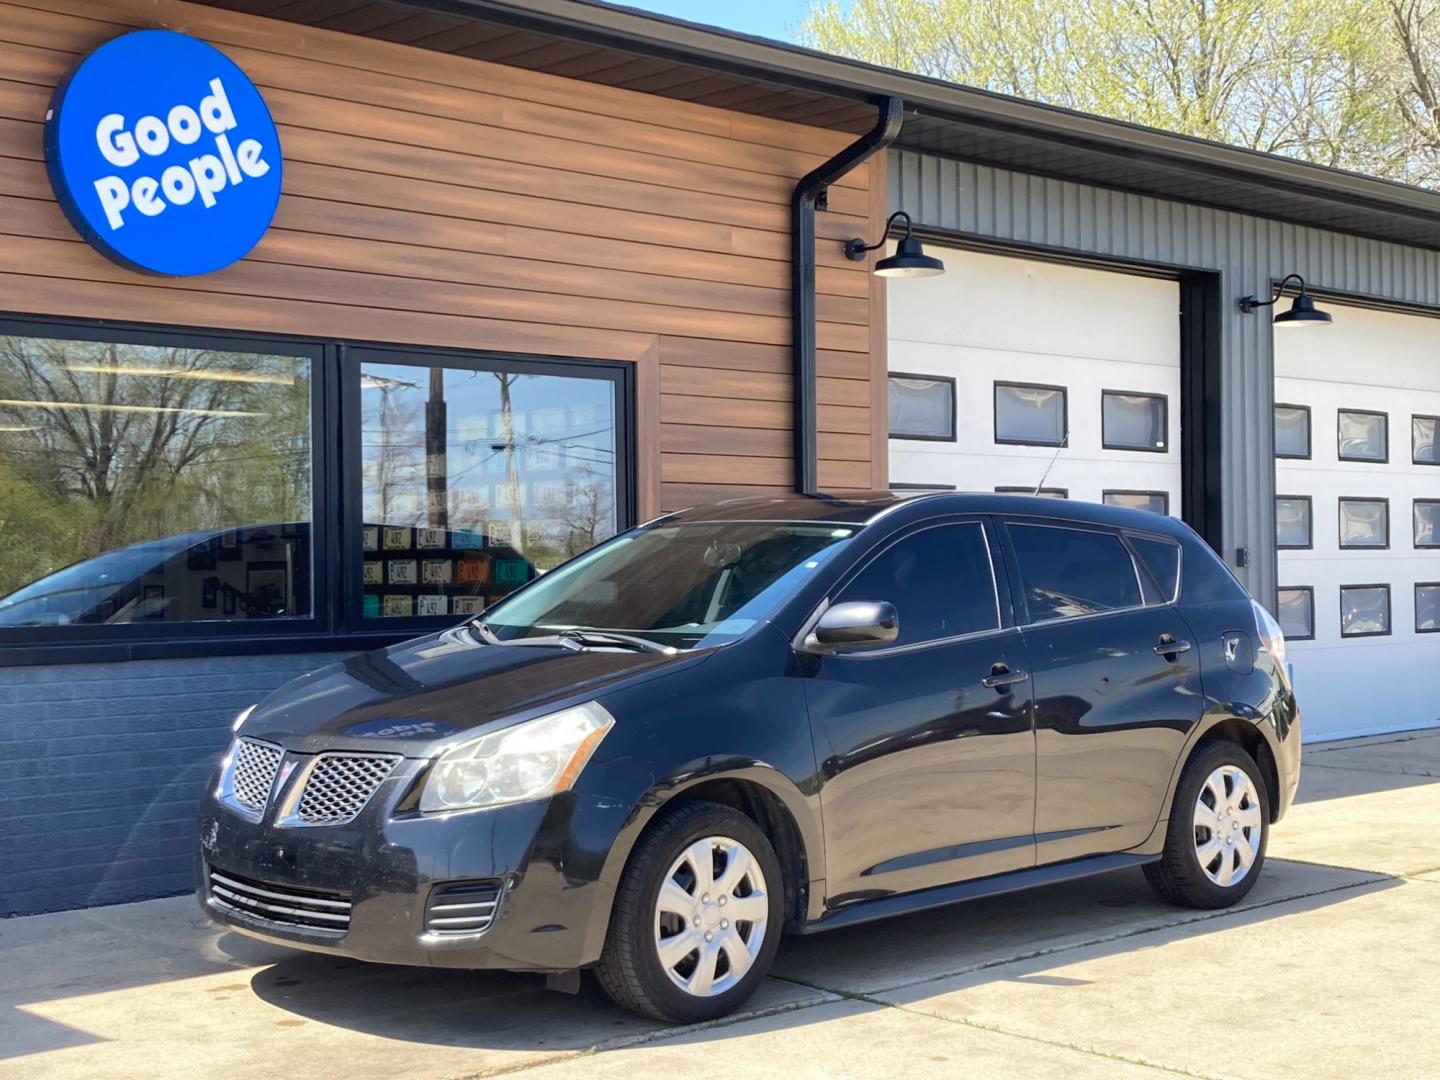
(546, 857)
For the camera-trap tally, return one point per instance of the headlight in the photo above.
(528, 761)
(241, 718)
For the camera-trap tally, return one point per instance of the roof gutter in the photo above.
(808, 196)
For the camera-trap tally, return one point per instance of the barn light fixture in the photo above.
(1303, 311)
(909, 260)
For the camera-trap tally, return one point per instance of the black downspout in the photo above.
(810, 193)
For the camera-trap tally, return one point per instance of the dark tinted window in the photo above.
(1070, 572)
(939, 581)
(1161, 559)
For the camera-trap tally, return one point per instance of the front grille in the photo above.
(463, 908)
(339, 785)
(254, 775)
(308, 908)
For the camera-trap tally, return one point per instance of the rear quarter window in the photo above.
(1161, 562)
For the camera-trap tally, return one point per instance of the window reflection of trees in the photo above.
(431, 462)
(105, 444)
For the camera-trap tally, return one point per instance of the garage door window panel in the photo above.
(941, 581)
(1364, 523)
(1031, 414)
(1134, 421)
(1363, 436)
(1294, 527)
(1039, 493)
(1427, 607)
(1296, 612)
(922, 407)
(1426, 514)
(1423, 448)
(1157, 502)
(1292, 431)
(1069, 573)
(1364, 610)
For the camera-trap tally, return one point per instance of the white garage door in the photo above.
(1001, 362)
(1357, 480)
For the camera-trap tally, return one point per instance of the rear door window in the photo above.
(1068, 572)
(939, 580)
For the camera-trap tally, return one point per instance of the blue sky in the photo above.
(767, 18)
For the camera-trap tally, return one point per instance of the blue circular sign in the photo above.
(163, 154)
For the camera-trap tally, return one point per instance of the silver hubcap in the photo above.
(710, 916)
(1228, 825)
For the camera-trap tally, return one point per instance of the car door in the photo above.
(926, 751)
(1116, 683)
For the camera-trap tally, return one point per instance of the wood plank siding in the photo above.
(445, 201)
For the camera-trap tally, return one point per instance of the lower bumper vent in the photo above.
(306, 908)
(466, 907)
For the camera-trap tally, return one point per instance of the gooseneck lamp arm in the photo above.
(857, 249)
(1249, 304)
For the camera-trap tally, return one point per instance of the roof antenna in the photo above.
(1053, 458)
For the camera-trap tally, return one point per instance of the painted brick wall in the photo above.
(101, 768)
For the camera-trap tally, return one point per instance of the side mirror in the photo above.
(859, 623)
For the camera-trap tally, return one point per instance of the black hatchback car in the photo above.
(761, 717)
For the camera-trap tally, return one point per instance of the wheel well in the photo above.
(1247, 735)
(764, 808)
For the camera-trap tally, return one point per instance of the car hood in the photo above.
(413, 697)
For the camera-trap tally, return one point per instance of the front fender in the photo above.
(803, 812)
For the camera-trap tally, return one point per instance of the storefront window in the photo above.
(476, 479)
(152, 483)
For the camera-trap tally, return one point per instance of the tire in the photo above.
(1199, 868)
(631, 968)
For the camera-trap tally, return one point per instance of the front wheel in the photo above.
(697, 917)
(1219, 826)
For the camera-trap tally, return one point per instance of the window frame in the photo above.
(1107, 492)
(1385, 416)
(1309, 431)
(333, 625)
(1034, 493)
(1164, 400)
(1413, 459)
(1017, 587)
(1309, 545)
(954, 407)
(1415, 607)
(1004, 609)
(1310, 589)
(352, 360)
(1413, 541)
(52, 644)
(1389, 610)
(1340, 502)
(1013, 385)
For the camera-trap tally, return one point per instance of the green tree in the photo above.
(1348, 83)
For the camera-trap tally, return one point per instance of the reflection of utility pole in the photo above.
(385, 470)
(437, 496)
(512, 471)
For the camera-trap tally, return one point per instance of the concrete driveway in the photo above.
(1331, 968)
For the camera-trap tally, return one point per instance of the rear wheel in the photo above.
(1219, 827)
(697, 917)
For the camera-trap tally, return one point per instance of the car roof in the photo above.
(866, 507)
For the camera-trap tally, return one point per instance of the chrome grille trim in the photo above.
(337, 786)
(251, 775)
(462, 908)
(301, 908)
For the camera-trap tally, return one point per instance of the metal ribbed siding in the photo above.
(1248, 252)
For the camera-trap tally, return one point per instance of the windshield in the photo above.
(688, 585)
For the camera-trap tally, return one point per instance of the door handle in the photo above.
(1002, 678)
(1170, 648)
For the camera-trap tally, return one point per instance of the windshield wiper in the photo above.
(603, 638)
